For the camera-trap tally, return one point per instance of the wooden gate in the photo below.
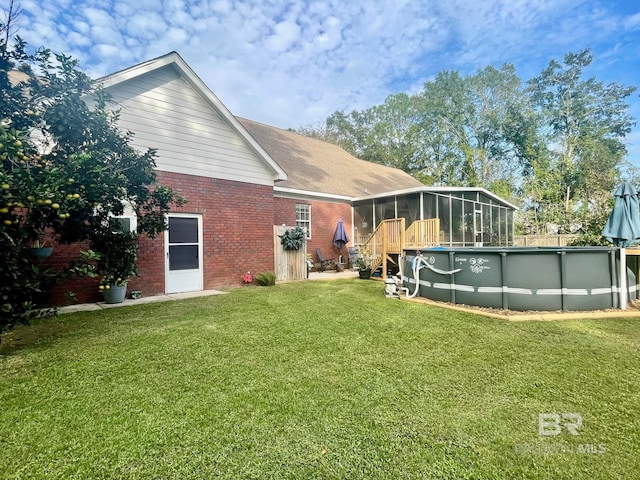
(289, 264)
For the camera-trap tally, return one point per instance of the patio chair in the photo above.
(324, 262)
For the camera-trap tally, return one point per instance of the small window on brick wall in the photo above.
(128, 224)
(303, 217)
(127, 221)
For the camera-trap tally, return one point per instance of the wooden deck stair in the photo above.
(390, 238)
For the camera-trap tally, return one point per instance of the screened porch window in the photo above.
(303, 217)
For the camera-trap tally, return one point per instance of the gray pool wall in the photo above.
(521, 278)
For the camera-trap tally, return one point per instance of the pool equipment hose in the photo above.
(420, 262)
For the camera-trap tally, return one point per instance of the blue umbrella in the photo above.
(340, 238)
(623, 226)
(623, 229)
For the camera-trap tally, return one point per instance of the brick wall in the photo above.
(237, 221)
(285, 211)
(86, 289)
(324, 218)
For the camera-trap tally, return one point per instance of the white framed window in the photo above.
(128, 219)
(303, 218)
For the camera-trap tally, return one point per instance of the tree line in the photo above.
(554, 145)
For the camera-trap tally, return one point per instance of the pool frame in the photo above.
(520, 278)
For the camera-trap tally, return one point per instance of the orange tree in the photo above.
(66, 168)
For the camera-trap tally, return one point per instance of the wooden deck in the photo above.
(391, 237)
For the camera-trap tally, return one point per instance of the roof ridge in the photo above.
(285, 130)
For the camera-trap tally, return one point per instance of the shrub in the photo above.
(592, 239)
(266, 279)
(118, 254)
(293, 239)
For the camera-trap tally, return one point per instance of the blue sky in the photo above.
(292, 64)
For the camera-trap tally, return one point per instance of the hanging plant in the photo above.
(293, 239)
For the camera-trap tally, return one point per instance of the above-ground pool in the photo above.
(514, 278)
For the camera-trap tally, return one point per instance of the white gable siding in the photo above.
(165, 113)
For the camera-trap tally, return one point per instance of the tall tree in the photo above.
(457, 131)
(475, 120)
(555, 147)
(584, 123)
(388, 133)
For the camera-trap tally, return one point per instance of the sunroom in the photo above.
(467, 216)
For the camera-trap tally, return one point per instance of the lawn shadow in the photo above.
(40, 332)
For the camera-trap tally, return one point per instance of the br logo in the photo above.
(551, 424)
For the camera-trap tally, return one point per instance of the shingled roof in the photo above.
(316, 166)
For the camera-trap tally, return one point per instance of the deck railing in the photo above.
(386, 239)
(423, 233)
(391, 237)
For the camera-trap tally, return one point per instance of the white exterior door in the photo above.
(477, 227)
(183, 253)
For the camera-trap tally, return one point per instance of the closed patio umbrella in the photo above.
(623, 229)
(340, 238)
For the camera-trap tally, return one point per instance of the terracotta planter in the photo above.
(115, 294)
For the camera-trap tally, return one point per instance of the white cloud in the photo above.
(292, 64)
(222, 7)
(330, 35)
(146, 25)
(108, 51)
(632, 22)
(284, 36)
(78, 40)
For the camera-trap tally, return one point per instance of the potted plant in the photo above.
(117, 262)
(114, 289)
(309, 263)
(364, 266)
(40, 250)
(293, 239)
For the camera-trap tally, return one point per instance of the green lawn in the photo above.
(315, 380)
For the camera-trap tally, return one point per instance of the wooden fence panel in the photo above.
(543, 240)
(289, 264)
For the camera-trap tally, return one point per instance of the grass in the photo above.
(315, 380)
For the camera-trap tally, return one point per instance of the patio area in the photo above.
(333, 274)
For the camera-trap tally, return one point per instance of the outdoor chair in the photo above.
(324, 262)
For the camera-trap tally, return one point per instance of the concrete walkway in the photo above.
(83, 307)
(333, 275)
